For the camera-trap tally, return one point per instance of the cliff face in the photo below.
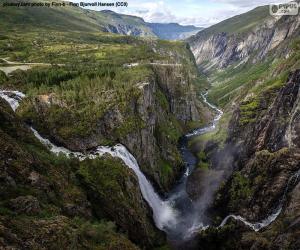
(215, 49)
(277, 123)
(158, 110)
(271, 144)
(252, 62)
(49, 201)
(156, 143)
(268, 156)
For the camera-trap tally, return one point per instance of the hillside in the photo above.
(237, 51)
(87, 88)
(73, 18)
(252, 64)
(237, 24)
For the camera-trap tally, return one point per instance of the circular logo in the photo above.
(274, 8)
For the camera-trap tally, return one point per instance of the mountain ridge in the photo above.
(77, 18)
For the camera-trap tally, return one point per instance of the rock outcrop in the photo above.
(162, 108)
(215, 49)
(267, 157)
(51, 202)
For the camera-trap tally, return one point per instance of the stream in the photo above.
(177, 215)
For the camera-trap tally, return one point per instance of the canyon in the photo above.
(118, 142)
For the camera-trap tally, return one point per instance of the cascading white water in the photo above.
(210, 128)
(164, 215)
(55, 149)
(12, 97)
(273, 216)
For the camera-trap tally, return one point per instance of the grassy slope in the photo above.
(238, 24)
(92, 82)
(66, 18)
(231, 85)
(55, 188)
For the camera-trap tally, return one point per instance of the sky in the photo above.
(201, 13)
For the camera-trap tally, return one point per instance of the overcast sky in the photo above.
(202, 13)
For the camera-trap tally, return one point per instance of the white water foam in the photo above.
(210, 128)
(272, 217)
(12, 97)
(163, 213)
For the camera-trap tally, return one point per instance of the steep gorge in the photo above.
(252, 62)
(248, 37)
(155, 114)
(147, 100)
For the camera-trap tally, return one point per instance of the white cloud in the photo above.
(248, 4)
(159, 12)
(202, 14)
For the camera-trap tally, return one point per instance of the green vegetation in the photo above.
(166, 172)
(3, 77)
(101, 235)
(105, 176)
(237, 81)
(68, 18)
(218, 135)
(203, 161)
(248, 111)
(162, 99)
(82, 92)
(240, 190)
(171, 130)
(115, 191)
(240, 23)
(35, 208)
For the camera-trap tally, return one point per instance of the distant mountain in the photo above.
(173, 31)
(250, 42)
(124, 24)
(249, 36)
(132, 25)
(74, 18)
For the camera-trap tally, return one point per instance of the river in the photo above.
(177, 215)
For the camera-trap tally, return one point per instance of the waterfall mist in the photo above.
(178, 215)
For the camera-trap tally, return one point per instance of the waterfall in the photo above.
(165, 216)
(273, 216)
(12, 97)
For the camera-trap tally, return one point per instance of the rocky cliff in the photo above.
(50, 201)
(148, 119)
(267, 157)
(252, 61)
(268, 153)
(248, 37)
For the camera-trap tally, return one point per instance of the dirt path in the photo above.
(10, 66)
